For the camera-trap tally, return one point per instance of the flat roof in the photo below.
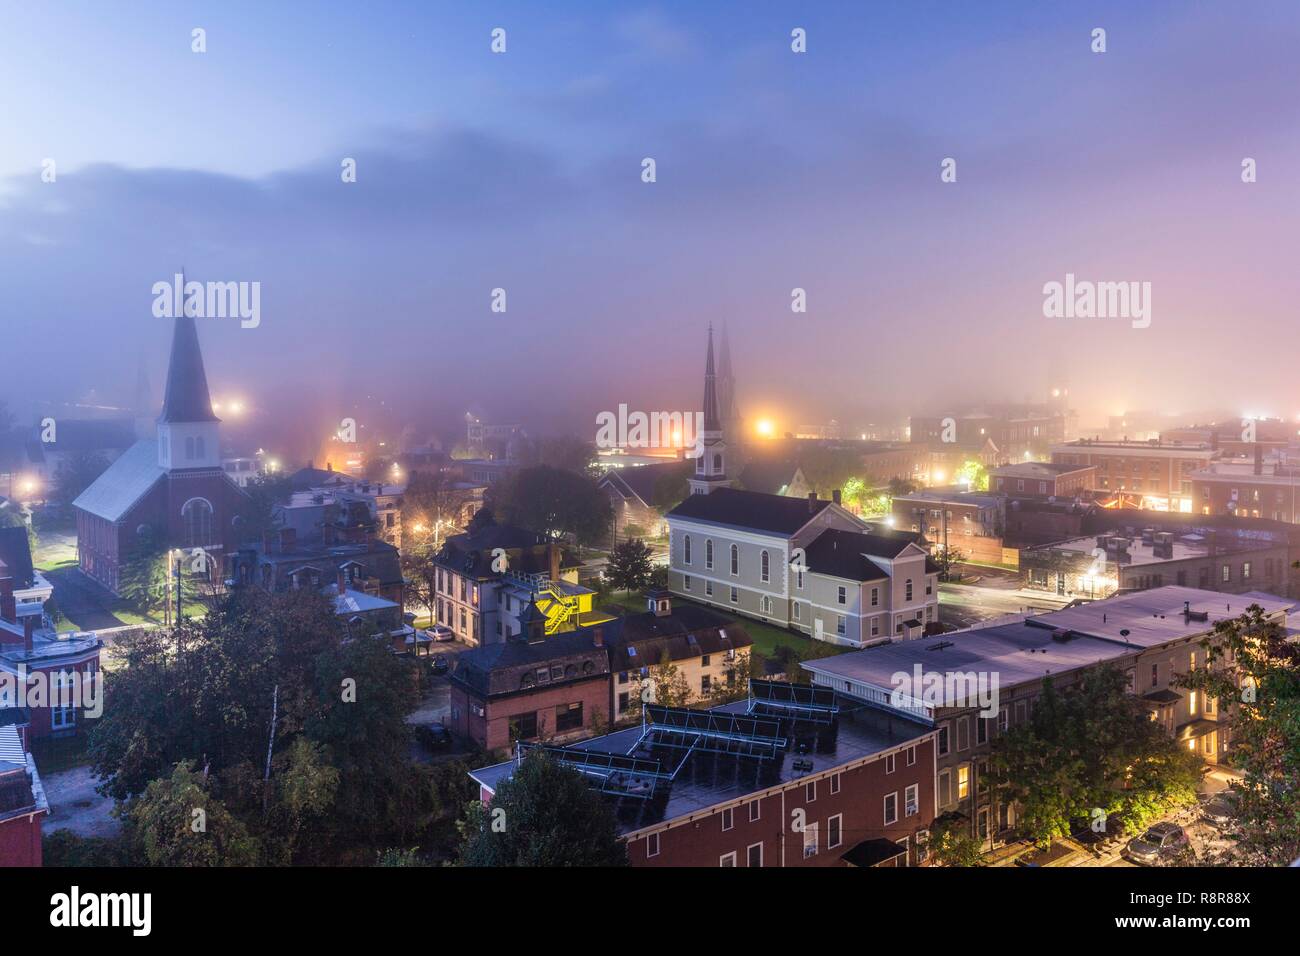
(1185, 546)
(1156, 616)
(708, 779)
(1026, 651)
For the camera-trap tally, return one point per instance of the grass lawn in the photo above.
(767, 637)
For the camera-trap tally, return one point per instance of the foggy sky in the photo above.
(775, 170)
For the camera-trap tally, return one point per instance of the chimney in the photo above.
(1259, 459)
(598, 637)
(553, 560)
(835, 496)
(343, 582)
(29, 626)
(812, 501)
(8, 606)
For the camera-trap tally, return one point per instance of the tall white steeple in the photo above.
(711, 465)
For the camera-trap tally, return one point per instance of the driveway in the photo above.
(81, 600)
(75, 806)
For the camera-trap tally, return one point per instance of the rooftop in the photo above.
(774, 514)
(1184, 546)
(708, 779)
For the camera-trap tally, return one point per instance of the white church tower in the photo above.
(711, 465)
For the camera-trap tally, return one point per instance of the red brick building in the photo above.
(22, 803)
(531, 688)
(762, 783)
(1041, 479)
(169, 491)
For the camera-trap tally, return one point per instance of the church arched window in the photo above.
(197, 517)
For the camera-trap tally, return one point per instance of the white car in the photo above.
(441, 633)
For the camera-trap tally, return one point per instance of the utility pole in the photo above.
(270, 746)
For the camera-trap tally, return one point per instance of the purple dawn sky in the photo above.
(775, 170)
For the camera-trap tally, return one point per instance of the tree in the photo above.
(544, 815)
(566, 452)
(553, 502)
(670, 488)
(266, 493)
(629, 567)
(664, 684)
(1254, 672)
(951, 844)
(1092, 747)
(142, 579)
(901, 486)
(974, 475)
(76, 474)
(177, 822)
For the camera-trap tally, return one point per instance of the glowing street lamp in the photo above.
(765, 427)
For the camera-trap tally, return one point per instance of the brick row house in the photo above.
(1152, 637)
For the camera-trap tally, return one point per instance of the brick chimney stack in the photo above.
(812, 501)
(835, 496)
(553, 560)
(598, 637)
(343, 582)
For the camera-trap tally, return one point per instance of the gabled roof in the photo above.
(849, 554)
(640, 640)
(187, 398)
(125, 482)
(16, 555)
(501, 668)
(774, 514)
(641, 480)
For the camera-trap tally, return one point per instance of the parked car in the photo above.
(434, 736)
(442, 633)
(440, 664)
(1163, 843)
(1221, 808)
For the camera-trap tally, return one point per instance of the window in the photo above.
(686, 582)
(889, 763)
(766, 604)
(798, 613)
(735, 560)
(799, 579)
(1227, 573)
(728, 819)
(1245, 570)
(809, 840)
(875, 626)
(841, 595)
(754, 855)
(523, 726)
(708, 588)
(945, 788)
(708, 554)
(981, 730)
(568, 717)
(810, 791)
(911, 755)
(686, 549)
(891, 808)
(196, 516)
(704, 685)
(963, 782)
(755, 810)
(840, 625)
(727, 859)
(834, 831)
(835, 783)
(907, 590)
(911, 801)
(1155, 674)
(875, 597)
(765, 567)
(963, 734)
(652, 844)
(943, 740)
(735, 595)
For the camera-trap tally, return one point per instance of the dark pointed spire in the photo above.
(187, 398)
(711, 423)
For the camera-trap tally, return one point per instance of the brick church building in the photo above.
(168, 491)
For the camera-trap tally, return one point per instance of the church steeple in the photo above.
(188, 435)
(711, 465)
(186, 398)
(728, 416)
